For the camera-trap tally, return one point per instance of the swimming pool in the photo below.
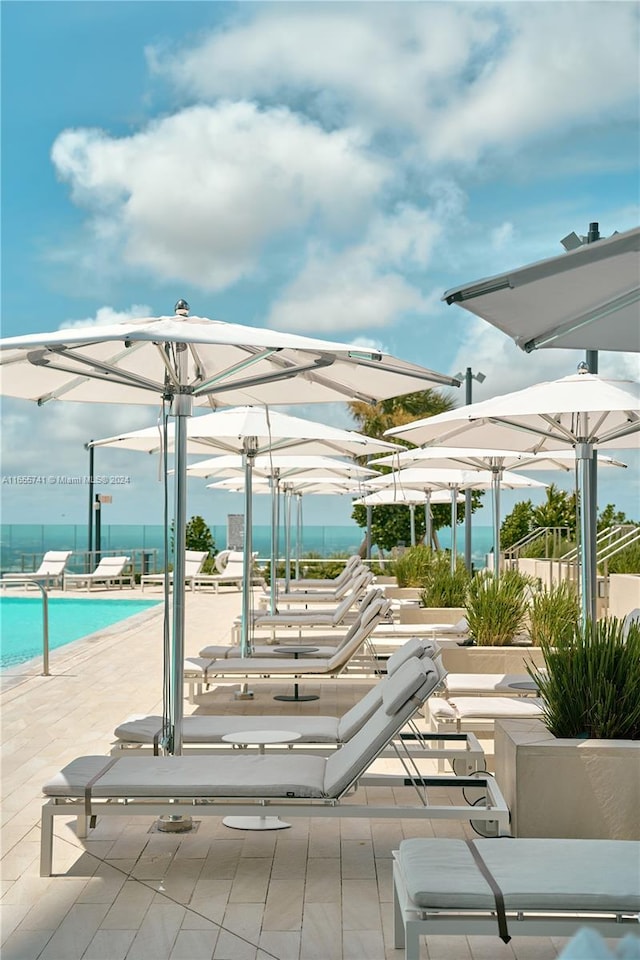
(21, 623)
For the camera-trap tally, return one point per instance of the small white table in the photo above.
(259, 738)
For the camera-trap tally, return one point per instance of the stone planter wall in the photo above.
(401, 593)
(413, 614)
(490, 659)
(567, 788)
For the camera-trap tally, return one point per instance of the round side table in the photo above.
(259, 738)
(529, 685)
(288, 650)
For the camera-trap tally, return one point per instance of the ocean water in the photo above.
(25, 543)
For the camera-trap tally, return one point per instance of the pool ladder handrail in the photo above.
(45, 618)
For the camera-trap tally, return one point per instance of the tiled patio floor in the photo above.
(318, 891)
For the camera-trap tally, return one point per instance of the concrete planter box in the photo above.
(567, 788)
(431, 614)
(490, 659)
(401, 593)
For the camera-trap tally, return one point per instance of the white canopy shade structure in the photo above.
(253, 431)
(434, 478)
(392, 496)
(583, 411)
(587, 298)
(182, 360)
(496, 461)
(286, 466)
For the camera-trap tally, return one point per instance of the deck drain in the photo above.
(178, 829)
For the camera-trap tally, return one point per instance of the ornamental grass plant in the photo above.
(496, 609)
(411, 569)
(554, 613)
(444, 587)
(590, 684)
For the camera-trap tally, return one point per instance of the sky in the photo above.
(328, 169)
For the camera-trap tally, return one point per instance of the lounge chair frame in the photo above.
(410, 921)
(102, 575)
(170, 786)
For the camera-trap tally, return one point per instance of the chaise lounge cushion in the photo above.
(210, 729)
(244, 775)
(532, 874)
(485, 708)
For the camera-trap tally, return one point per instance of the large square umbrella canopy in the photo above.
(183, 360)
(588, 298)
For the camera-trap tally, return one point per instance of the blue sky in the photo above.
(325, 168)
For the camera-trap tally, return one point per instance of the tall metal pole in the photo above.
(249, 453)
(591, 358)
(90, 526)
(298, 533)
(287, 538)
(274, 481)
(428, 535)
(468, 494)
(412, 520)
(454, 528)
(496, 475)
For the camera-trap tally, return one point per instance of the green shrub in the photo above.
(496, 610)
(411, 569)
(554, 613)
(590, 686)
(445, 588)
(627, 561)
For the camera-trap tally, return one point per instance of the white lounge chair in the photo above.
(193, 562)
(523, 887)
(261, 669)
(309, 583)
(333, 640)
(480, 712)
(50, 571)
(109, 572)
(360, 578)
(290, 785)
(231, 575)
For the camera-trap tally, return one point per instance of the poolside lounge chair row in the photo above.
(109, 572)
(292, 785)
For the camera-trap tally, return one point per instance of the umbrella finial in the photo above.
(583, 367)
(181, 308)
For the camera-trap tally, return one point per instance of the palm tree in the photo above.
(391, 523)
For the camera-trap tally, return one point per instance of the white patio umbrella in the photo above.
(433, 478)
(391, 496)
(496, 461)
(254, 431)
(286, 465)
(587, 298)
(184, 360)
(583, 411)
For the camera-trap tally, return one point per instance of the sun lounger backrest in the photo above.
(354, 718)
(110, 566)
(345, 605)
(632, 617)
(193, 561)
(403, 694)
(53, 561)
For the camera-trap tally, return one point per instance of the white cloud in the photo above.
(361, 286)
(105, 316)
(197, 196)
(459, 78)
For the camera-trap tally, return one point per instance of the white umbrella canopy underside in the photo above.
(479, 459)
(547, 416)
(424, 478)
(585, 299)
(225, 364)
(272, 431)
(265, 465)
(393, 497)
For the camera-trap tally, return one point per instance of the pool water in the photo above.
(21, 623)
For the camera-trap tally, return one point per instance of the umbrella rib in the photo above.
(632, 426)
(234, 368)
(323, 361)
(582, 320)
(100, 370)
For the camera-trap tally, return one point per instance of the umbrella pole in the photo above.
(367, 550)
(495, 489)
(298, 533)
(287, 540)
(588, 572)
(412, 520)
(275, 525)
(250, 450)
(454, 528)
(427, 519)
(181, 410)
